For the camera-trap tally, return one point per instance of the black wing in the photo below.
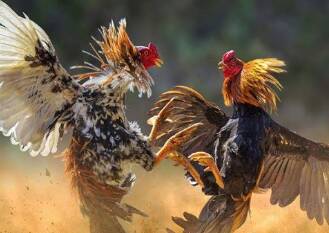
(297, 166)
(189, 107)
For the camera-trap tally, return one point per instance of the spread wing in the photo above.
(189, 107)
(35, 90)
(297, 166)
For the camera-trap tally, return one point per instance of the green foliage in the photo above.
(192, 35)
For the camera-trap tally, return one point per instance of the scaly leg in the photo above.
(174, 142)
(158, 120)
(208, 161)
(182, 160)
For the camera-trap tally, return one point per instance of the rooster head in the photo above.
(250, 82)
(149, 56)
(230, 64)
(123, 66)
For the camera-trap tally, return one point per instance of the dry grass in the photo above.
(31, 201)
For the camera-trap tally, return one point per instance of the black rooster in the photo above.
(245, 153)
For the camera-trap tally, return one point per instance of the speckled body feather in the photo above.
(46, 110)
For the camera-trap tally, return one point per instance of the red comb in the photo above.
(152, 47)
(228, 56)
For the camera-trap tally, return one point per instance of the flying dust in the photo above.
(38, 199)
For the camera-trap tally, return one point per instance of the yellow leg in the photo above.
(182, 160)
(208, 161)
(174, 142)
(158, 120)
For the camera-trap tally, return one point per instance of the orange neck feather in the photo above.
(254, 85)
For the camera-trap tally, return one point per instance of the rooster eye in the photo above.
(146, 53)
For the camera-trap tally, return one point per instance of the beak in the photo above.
(220, 65)
(158, 62)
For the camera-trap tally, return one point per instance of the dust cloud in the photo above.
(39, 200)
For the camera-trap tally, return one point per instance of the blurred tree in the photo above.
(192, 35)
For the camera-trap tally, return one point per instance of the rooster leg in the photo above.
(182, 160)
(208, 161)
(158, 120)
(174, 142)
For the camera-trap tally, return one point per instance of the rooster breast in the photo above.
(240, 155)
(107, 140)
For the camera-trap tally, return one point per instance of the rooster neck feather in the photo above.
(255, 84)
(120, 65)
(117, 47)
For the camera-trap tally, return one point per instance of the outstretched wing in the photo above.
(297, 166)
(35, 90)
(188, 107)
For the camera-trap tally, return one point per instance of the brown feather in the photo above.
(297, 166)
(188, 107)
(100, 201)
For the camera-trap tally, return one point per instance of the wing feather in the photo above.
(297, 166)
(189, 107)
(35, 90)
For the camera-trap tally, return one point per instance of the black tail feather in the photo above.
(221, 214)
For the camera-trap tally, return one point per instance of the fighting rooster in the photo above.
(45, 110)
(245, 153)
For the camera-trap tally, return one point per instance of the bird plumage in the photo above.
(46, 110)
(252, 151)
(255, 84)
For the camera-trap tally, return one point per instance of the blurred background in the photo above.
(191, 35)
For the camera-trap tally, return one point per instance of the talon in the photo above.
(158, 120)
(206, 160)
(182, 160)
(174, 142)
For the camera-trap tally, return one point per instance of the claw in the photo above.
(182, 160)
(206, 160)
(174, 142)
(158, 120)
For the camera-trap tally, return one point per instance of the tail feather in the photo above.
(221, 214)
(100, 202)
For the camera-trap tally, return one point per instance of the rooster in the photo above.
(45, 110)
(245, 153)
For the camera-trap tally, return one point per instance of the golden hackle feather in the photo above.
(116, 45)
(255, 85)
(115, 50)
(119, 61)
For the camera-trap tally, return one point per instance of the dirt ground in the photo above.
(35, 197)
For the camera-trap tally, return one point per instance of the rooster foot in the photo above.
(206, 160)
(183, 161)
(174, 142)
(158, 120)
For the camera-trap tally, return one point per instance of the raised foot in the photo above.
(158, 120)
(206, 160)
(183, 161)
(174, 142)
